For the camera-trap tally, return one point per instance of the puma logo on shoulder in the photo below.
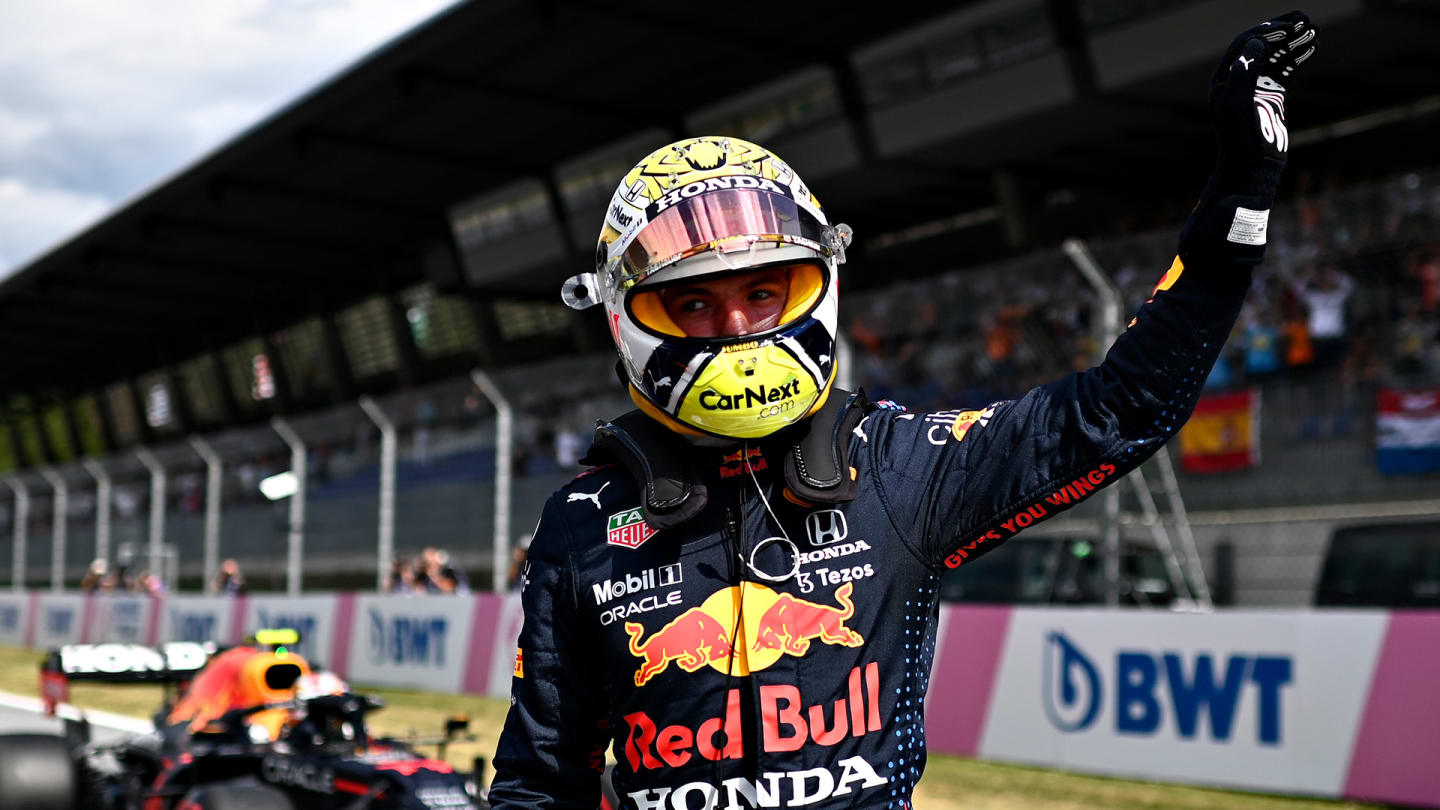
(593, 497)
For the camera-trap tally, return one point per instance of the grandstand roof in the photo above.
(353, 190)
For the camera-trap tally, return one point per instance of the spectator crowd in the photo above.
(1349, 292)
(428, 573)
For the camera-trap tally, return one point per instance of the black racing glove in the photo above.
(1247, 103)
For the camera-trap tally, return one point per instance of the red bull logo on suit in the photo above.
(774, 625)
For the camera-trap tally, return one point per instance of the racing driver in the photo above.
(739, 598)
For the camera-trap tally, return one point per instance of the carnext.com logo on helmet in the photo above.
(712, 400)
(1161, 691)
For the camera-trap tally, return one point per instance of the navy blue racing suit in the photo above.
(715, 688)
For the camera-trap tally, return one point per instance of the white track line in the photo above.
(119, 722)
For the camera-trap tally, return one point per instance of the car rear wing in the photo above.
(172, 663)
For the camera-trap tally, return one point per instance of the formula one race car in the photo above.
(248, 728)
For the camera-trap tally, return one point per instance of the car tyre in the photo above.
(38, 772)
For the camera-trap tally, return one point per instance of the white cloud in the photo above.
(101, 98)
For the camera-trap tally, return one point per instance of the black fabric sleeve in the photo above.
(958, 484)
(552, 750)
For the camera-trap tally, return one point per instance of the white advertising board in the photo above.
(120, 618)
(59, 620)
(313, 616)
(1269, 701)
(198, 618)
(507, 639)
(415, 642)
(12, 618)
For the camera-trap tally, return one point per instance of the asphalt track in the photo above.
(21, 715)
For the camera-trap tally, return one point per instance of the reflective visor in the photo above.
(724, 220)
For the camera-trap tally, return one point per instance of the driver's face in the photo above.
(730, 306)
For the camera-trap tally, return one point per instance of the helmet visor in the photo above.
(723, 220)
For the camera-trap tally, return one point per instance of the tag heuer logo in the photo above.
(628, 529)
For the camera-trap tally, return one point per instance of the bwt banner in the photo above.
(1287, 702)
(1333, 703)
(127, 619)
(313, 616)
(55, 620)
(422, 642)
(13, 611)
(199, 618)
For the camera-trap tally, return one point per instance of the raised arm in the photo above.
(962, 483)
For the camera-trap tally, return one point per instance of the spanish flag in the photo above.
(1223, 434)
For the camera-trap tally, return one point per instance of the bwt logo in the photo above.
(58, 621)
(9, 617)
(197, 627)
(125, 621)
(304, 623)
(1075, 696)
(412, 640)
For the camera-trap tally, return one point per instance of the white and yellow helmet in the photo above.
(701, 207)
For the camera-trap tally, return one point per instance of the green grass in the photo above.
(950, 783)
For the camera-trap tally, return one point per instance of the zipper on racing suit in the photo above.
(749, 699)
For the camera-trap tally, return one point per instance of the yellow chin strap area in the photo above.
(749, 390)
(672, 423)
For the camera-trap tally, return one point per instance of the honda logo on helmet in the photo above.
(711, 184)
(826, 527)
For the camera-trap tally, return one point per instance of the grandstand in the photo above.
(412, 219)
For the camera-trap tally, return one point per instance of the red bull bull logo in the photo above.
(779, 624)
(691, 639)
(790, 624)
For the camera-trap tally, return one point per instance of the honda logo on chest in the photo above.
(826, 527)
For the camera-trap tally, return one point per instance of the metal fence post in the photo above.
(214, 470)
(386, 548)
(296, 544)
(1107, 329)
(504, 441)
(59, 506)
(157, 510)
(1187, 535)
(102, 507)
(22, 521)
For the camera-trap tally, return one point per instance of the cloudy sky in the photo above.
(101, 99)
